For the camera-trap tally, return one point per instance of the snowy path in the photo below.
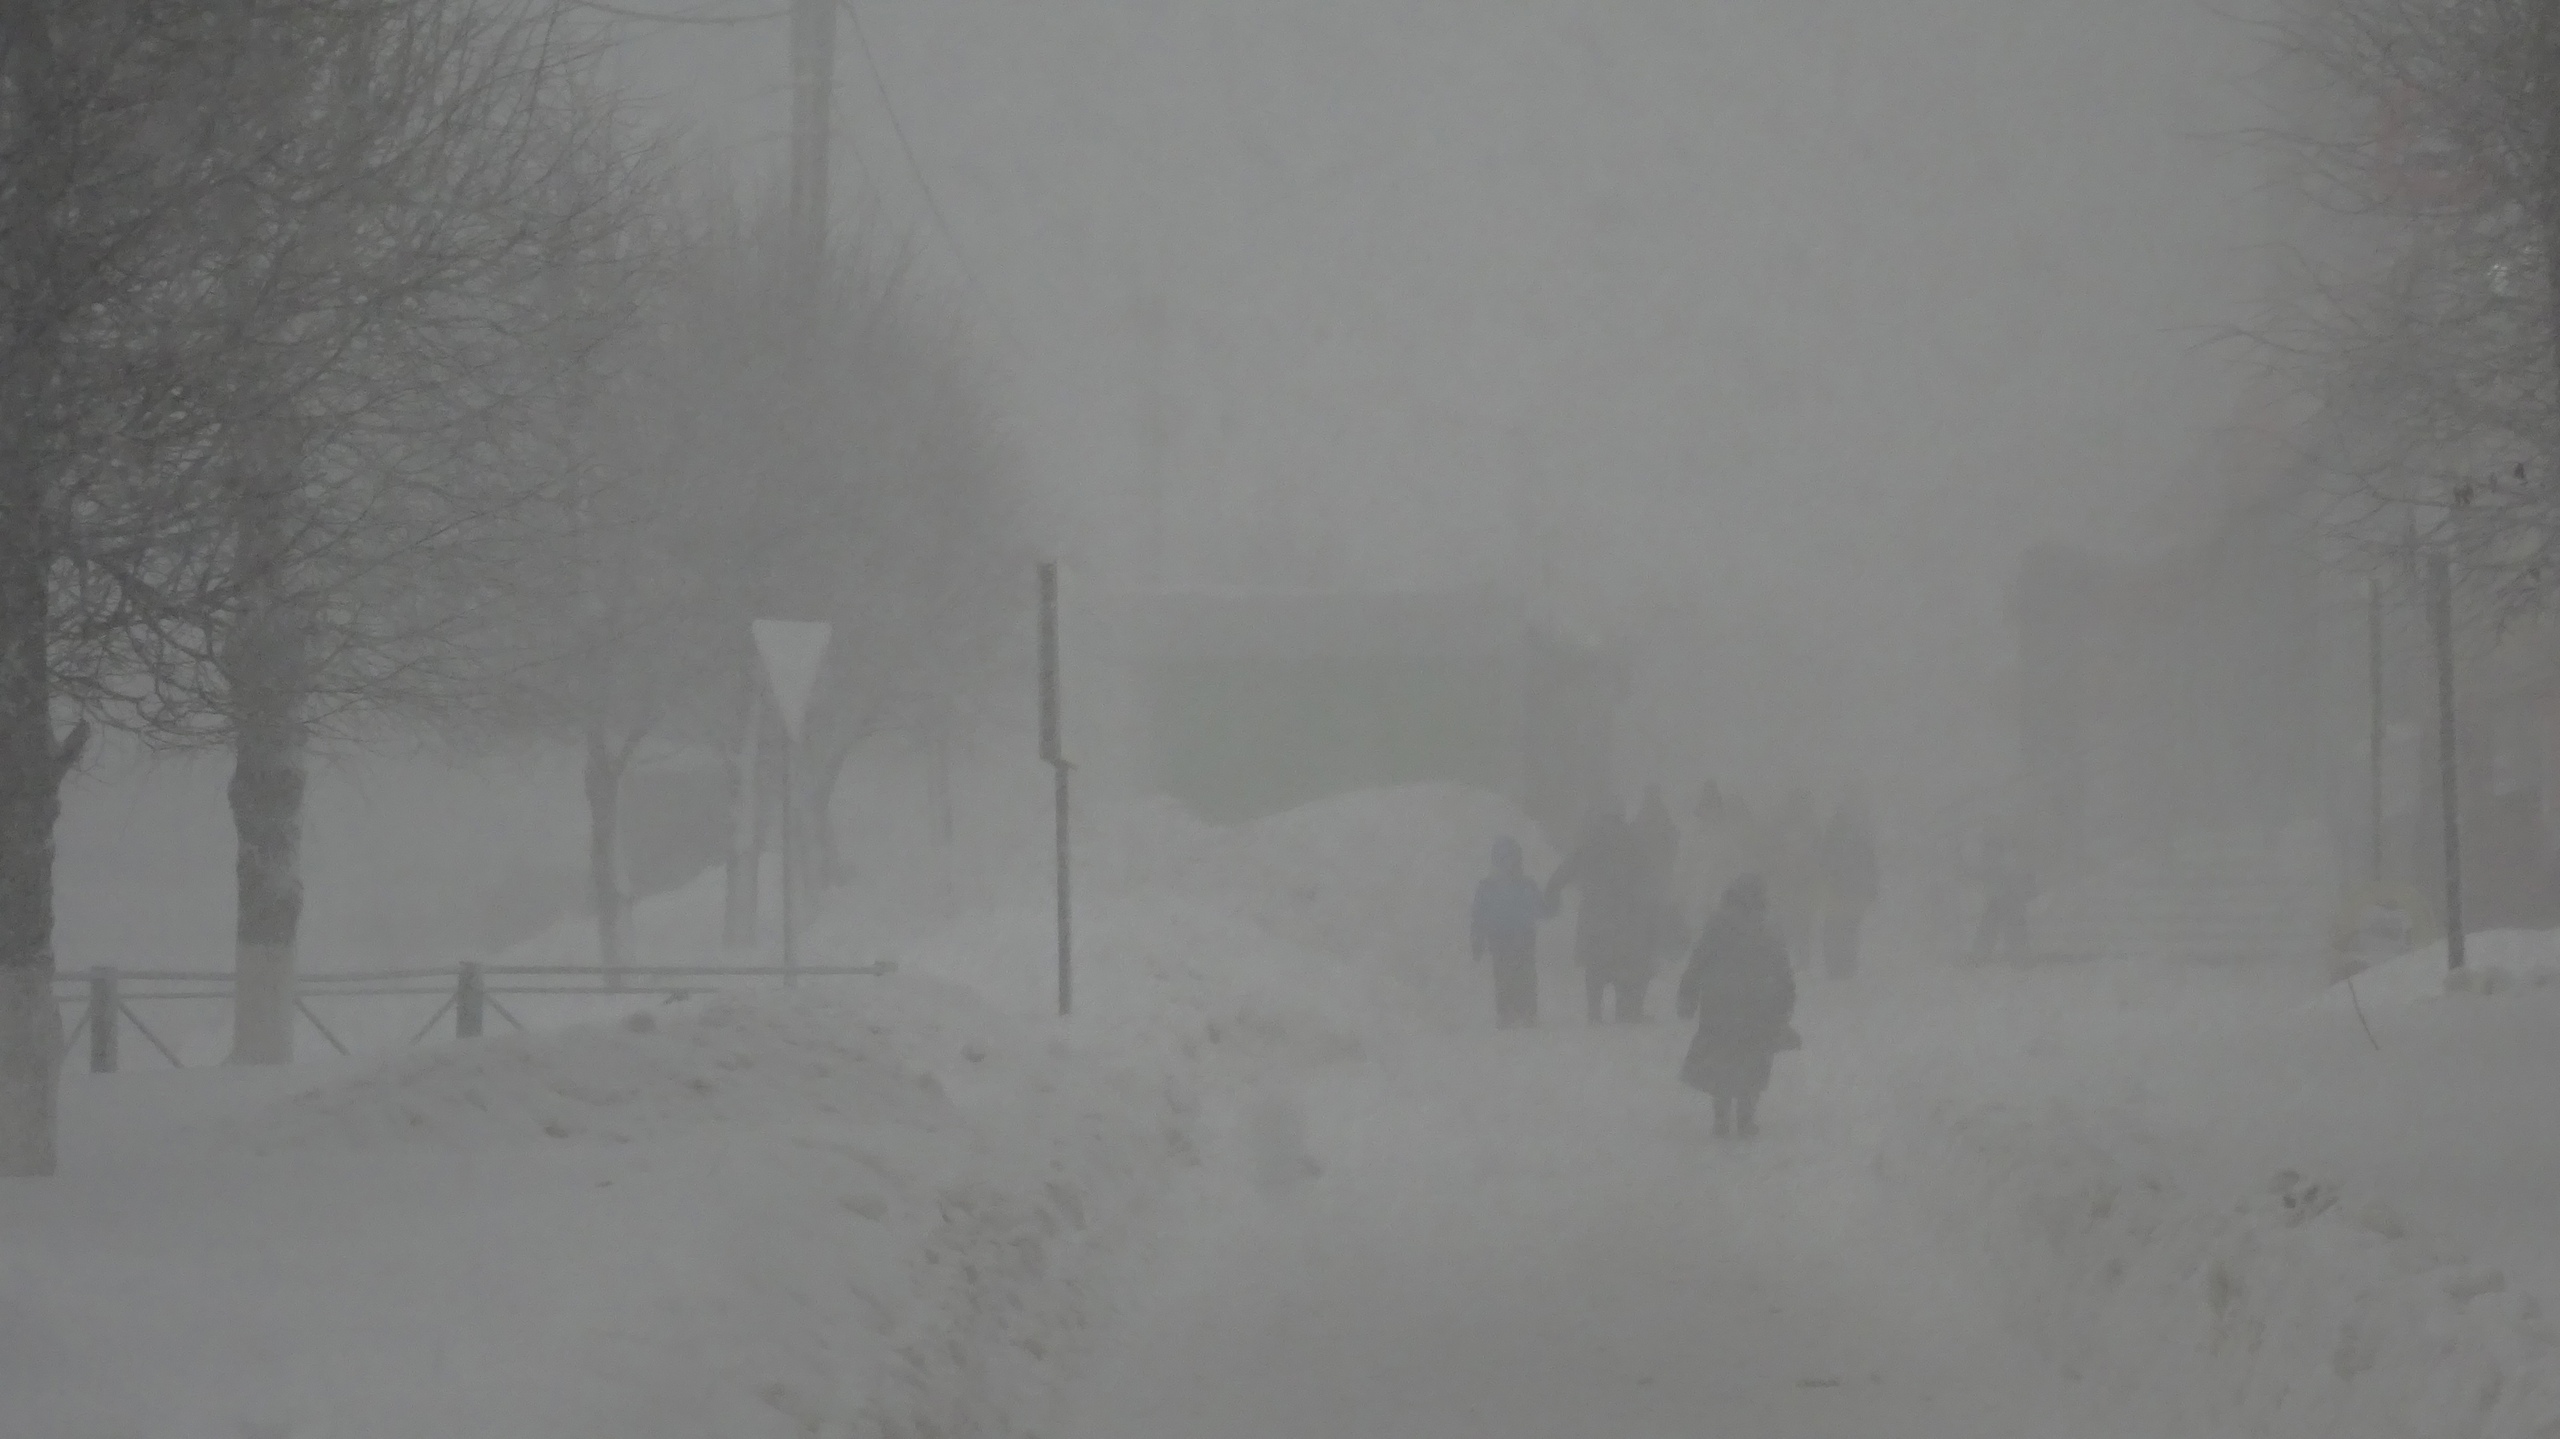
(1533, 1235)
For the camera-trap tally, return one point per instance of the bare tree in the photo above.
(770, 448)
(2431, 324)
(120, 120)
(389, 316)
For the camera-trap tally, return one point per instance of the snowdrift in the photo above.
(865, 1212)
(2268, 1224)
(870, 1207)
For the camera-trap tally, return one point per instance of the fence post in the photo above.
(469, 996)
(106, 1006)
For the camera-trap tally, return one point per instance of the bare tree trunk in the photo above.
(605, 764)
(264, 666)
(746, 832)
(31, 770)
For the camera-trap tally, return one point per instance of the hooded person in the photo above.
(1743, 993)
(1504, 929)
(1613, 926)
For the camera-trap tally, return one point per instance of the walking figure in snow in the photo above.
(1850, 881)
(1508, 906)
(1614, 924)
(1743, 993)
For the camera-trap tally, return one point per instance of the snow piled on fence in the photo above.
(848, 1213)
(2233, 1214)
(865, 1207)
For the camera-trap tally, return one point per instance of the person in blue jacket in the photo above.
(1508, 906)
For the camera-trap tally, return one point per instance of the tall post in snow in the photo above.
(2374, 727)
(813, 79)
(2448, 769)
(1053, 750)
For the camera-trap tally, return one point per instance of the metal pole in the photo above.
(1053, 750)
(2440, 606)
(1066, 946)
(790, 868)
(2373, 756)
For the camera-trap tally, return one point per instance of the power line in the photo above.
(933, 205)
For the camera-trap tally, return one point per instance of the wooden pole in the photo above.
(790, 867)
(813, 74)
(1053, 750)
(2448, 770)
(2374, 735)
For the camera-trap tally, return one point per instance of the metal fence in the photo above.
(470, 993)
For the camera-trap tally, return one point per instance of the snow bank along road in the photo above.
(1533, 1234)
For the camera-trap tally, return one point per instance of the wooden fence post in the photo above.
(106, 1005)
(469, 997)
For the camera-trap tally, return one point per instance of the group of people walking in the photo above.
(1774, 890)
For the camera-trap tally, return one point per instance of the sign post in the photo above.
(793, 652)
(1053, 751)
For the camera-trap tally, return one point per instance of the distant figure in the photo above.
(1508, 906)
(1744, 996)
(1613, 930)
(1724, 848)
(1657, 840)
(1850, 882)
(1792, 869)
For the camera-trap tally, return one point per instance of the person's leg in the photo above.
(1724, 1116)
(1746, 1113)
(1595, 984)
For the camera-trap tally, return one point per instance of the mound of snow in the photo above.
(2493, 962)
(1382, 877)
(2297, 1310)
(882, 1209)
(2238, 1212)
(1166, 984)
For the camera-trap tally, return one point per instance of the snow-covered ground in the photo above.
(2232, 1209)
(1278, 1175)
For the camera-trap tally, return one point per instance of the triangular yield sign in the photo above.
(792, 650)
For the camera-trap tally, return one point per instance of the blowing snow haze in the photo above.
(1790, 720)
(1813, 311)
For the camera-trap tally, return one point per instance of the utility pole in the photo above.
(2440, 612)
(813, 86)
(1053, 750)
(2373, 735)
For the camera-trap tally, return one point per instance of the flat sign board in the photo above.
(793, 650)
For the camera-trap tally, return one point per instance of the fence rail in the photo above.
(470, 992)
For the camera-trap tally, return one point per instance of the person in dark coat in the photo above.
(1508, 906)
(1613, 927)
(1850, 882)
(1743, 993)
